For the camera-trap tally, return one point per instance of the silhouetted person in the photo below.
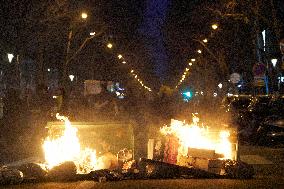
(14, 117)
(104, 103)
(42, 100)
(63, 102)
(137, 106)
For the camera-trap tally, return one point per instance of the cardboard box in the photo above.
(201, 153)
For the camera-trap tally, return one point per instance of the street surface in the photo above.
(268, 164)
(155, 184)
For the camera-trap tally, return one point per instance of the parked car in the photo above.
(258, 118)
(271, 130)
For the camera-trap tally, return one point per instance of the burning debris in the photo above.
(64, 171)
(67, 148)
(189, 151)
(198, 146)
(10, 176)
(194, 136)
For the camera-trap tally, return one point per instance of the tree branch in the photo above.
(81, 47)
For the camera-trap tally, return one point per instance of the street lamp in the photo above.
(205, 40)
(199, 51)
(109, 45)
(10, 57)
(214, 26)
(84, 15)
(92, 33)
(71, 77)
(119, 56)
(274, 62)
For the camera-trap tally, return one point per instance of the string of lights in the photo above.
(119, 56)
(132, 72)
(192, 60)
(185, 74)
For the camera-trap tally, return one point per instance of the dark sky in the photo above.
(156, 34)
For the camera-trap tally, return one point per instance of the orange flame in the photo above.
(200, 137)
(67, 148)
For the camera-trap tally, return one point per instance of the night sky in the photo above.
(156, 35)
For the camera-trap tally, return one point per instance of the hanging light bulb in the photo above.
(109, 45)
(119, 56)
(214, 26)
(10, 57)
(84, 15)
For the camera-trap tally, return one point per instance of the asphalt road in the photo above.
(268, 164)
(154, 184)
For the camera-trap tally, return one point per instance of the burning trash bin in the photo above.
(198, 146)
(91, 146)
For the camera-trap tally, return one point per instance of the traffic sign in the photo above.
(259, 81)
(259, 69)
(235, 78)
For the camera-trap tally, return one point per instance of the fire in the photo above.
(67, 148)
(200, 137)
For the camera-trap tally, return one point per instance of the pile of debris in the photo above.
(141, 169)
(175, 157)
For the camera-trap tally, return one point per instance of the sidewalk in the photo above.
(267, 162)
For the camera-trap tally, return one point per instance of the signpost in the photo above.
(281, 45)
(260, 79)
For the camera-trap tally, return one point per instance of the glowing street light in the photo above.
(109, 45)
(71, 77)
(119, 56)
(84, 15)
(193, 59)
(199, 51)
(190, 64)
(214, 26)
(274, 62)
(220, 85)
(92, 33)
(10, 57)
(124, 62)
(205, 40)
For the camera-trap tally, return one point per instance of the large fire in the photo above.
(67, 148)
(200, 137)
